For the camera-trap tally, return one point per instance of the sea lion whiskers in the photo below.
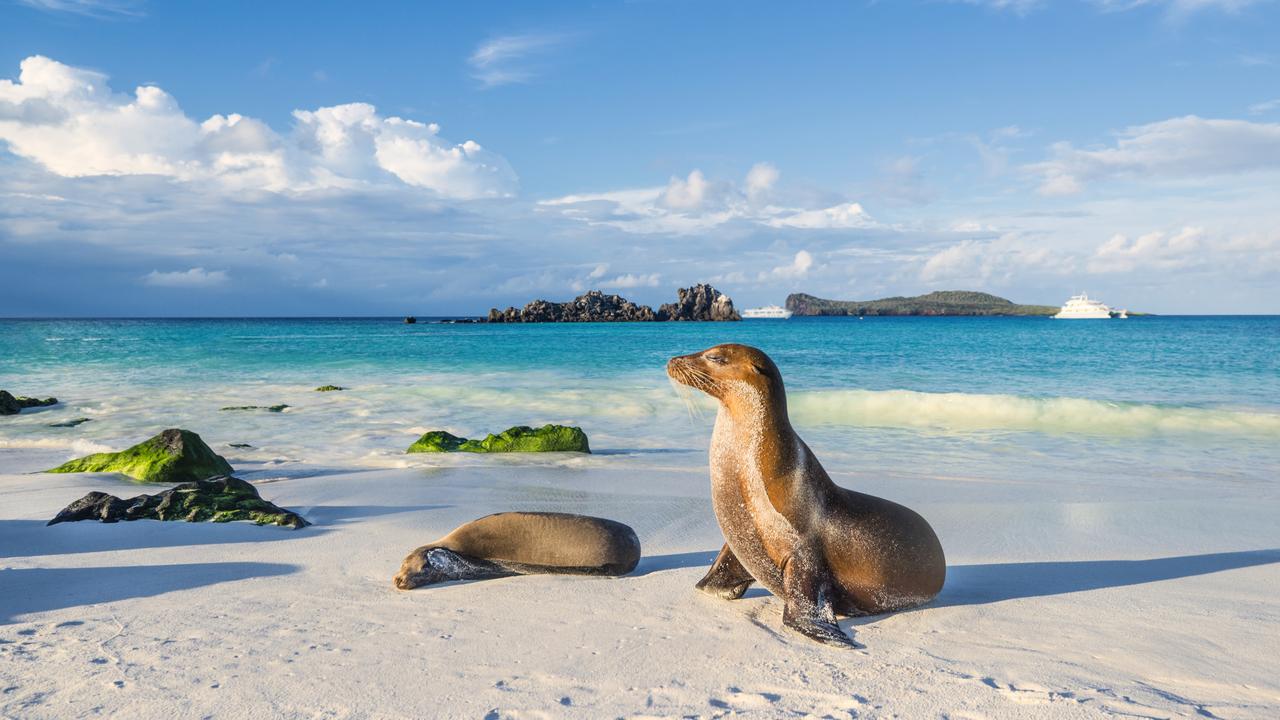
(685, 393)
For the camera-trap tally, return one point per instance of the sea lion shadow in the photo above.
(997, 582)
(646, 451)
(31, 590)
(333, 514)
(674, 561)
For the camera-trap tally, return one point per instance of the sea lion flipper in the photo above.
(807, 594)
(727, 578)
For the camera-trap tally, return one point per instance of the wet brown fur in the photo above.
(524, 543)
(850, 553)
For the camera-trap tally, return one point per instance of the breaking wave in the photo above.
(1054, 415)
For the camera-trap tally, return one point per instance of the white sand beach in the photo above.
(1134, 599)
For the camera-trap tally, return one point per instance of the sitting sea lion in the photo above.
(523, 543)
(821, 548)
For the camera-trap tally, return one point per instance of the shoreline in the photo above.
(153, 618)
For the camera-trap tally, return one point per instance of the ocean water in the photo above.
(1031, 402)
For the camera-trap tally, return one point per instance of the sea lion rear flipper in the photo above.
(727, 578)
(807, 594)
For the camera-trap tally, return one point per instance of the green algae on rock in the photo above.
(218, 499)
(172, 456)
(10, 405)
(548, 438)
(329, 388)
(268, 408)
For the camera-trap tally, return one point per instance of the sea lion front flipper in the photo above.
(727, 578)
(807, 594)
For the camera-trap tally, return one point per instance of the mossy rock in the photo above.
(219, 499)
(329, 388)
(548, 438)
(268, 408)
(10, 405)
(172, 456)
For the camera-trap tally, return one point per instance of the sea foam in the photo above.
(1054, 415)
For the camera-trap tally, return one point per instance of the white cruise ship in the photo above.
(1081, 307)
(769, 312)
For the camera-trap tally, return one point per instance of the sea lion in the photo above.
(821, 548)
(523, 543)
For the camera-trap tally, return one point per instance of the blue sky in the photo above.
(281, 159)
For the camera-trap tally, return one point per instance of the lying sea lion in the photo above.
(523, 543)
(821, 548)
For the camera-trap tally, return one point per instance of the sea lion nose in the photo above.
(674, 363)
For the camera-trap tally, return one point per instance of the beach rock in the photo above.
(11, 405)
(700, 302)
(329, 388)
(71, 423)
(593, 306)
(548, 438)
(268, 408)
(218, 499)
(172, 456)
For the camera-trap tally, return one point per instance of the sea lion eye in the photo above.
(717, 359)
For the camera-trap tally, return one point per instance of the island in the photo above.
(700, 302)
(940, 303)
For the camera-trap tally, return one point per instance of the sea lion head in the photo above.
(725, 370)
(424, 566)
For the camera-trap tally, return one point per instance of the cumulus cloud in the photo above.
(798, 268)
(1001, 259)
(1156, 250)
(1180, 147)
(69, 121)
(845, 215)
(504, 60)
(630, 280)
(686, 193)
(695, 203)
(760, 180)
(196, 277)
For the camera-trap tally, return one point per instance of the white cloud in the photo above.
(696, 204)
(91, 8)
(1264, 107)
(1152, 251)
(798, 268)
(501, 60)
(760, 180)
(632, 281)
(196, 277)
(1002, 259)
(1180, 147)
(686, 193)
(69, 121)
(845, 215)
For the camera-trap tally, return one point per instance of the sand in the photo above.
(1133, 599)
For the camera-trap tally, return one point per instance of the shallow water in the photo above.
(1030, 400)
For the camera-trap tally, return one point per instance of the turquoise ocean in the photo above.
(1163, 400)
